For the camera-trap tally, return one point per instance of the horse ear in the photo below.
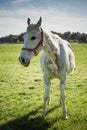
(39, 23)
(28, 21)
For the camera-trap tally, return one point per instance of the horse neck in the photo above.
(50, 48)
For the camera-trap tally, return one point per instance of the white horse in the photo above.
(57, 59)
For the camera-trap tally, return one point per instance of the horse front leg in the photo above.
(62, 96)
(46, 97)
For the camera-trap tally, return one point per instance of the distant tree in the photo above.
(83, 38)
(66, 35)
(20, 37)
(73, 36)
(78, 35)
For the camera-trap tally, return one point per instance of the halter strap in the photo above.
(40, 43)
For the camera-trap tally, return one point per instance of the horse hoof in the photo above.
(65, 117)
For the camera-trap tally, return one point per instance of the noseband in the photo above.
(34, 50)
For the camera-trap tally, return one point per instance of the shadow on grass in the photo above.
(26, 124)
(29, 121)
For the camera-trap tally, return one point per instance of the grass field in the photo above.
(21, 93)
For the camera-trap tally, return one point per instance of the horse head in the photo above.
(33, 40)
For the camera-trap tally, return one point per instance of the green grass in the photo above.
(21, 93)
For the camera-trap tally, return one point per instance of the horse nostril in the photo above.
(23, 60)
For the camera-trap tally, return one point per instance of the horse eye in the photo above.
(33, 38)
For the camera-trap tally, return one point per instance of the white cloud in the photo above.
(11, 26)
(19, 1)
(14, 22)
(55, 20)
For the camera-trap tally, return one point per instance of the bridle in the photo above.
(34, 50)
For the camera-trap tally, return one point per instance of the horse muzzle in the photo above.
(24, 62)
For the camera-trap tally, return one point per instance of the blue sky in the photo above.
(57, 15)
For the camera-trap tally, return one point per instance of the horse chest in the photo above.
(53, 73)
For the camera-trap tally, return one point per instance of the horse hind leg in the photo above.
(46, 97)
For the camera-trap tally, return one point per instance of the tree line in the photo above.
(72, 37)
(12, 38)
